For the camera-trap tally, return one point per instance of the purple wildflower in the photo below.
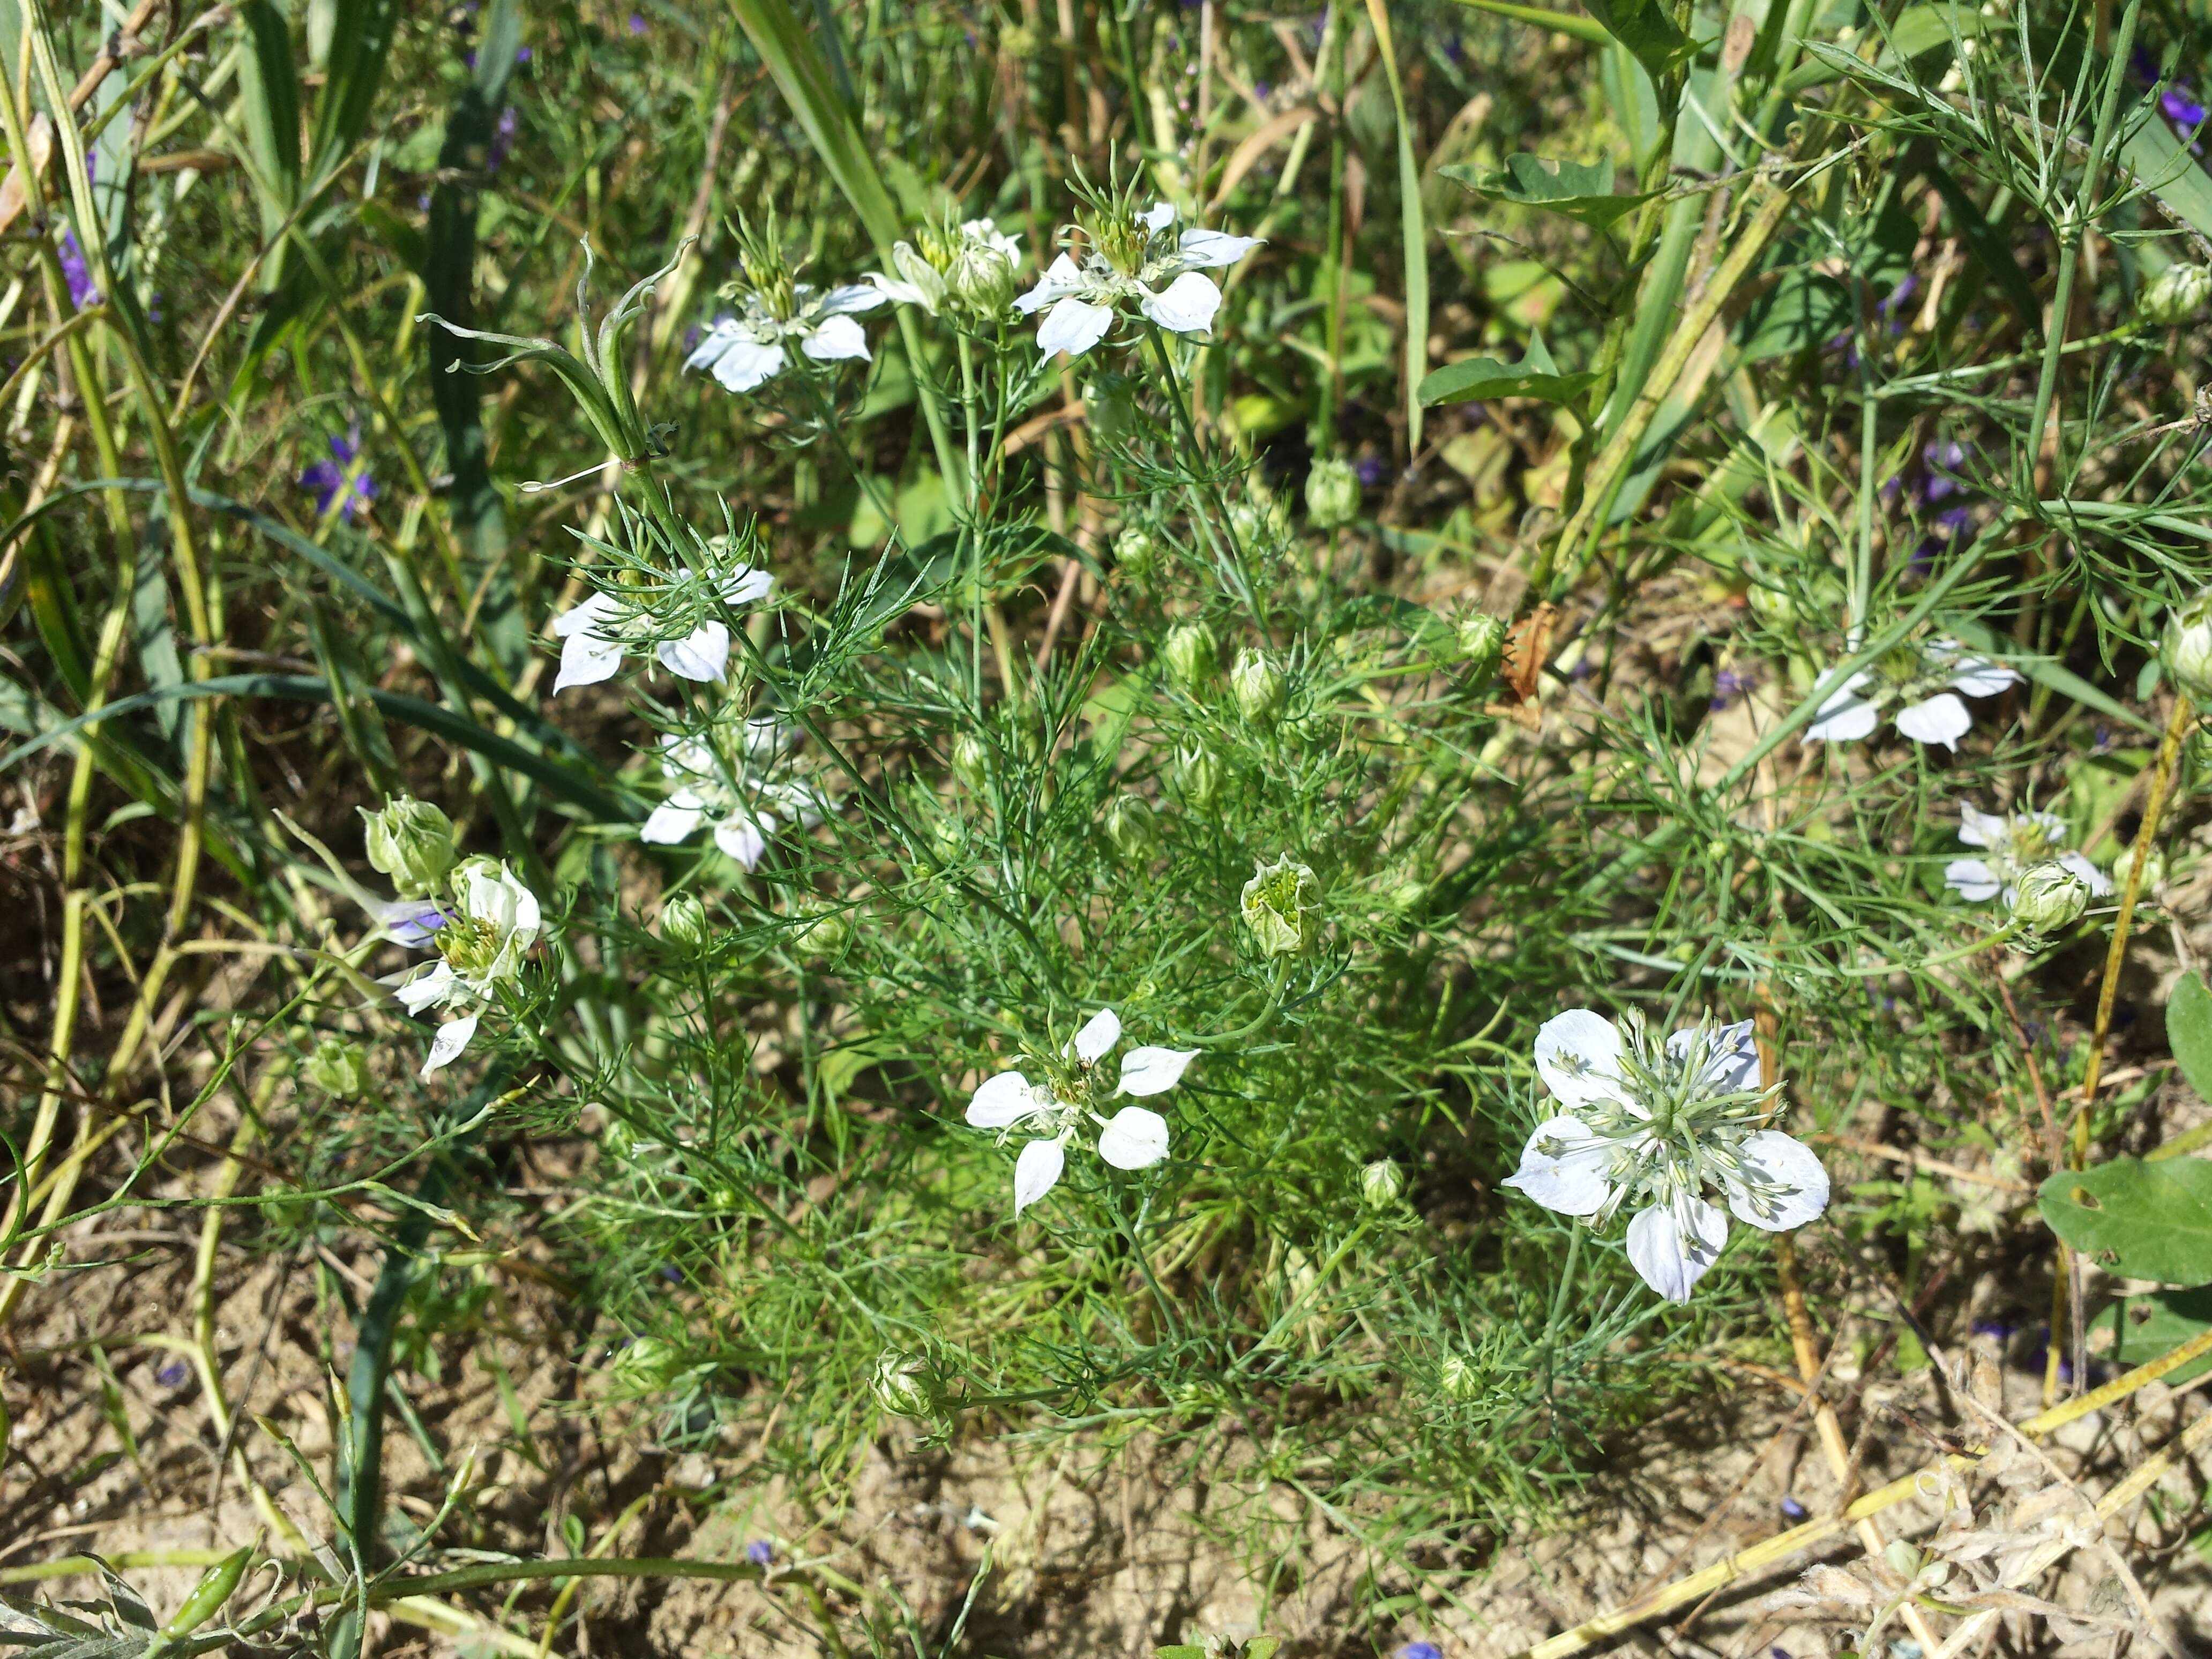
(673, 1274)
(760, 1552)
(83, 291)
(1993, 1327)
(1263, 88)
(172, 1374)
(1420, 1650)
(1943, 461)
(636, 24)
(502, 137)
(1371, 471)
(1792, 1510)
(522, 54)
(1728, 685)
(331, 483)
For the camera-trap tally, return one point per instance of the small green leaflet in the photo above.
(1474, 379)
(1647, 29)
(2145, 1327)
(2189, 1032)
(2137, 1219)
(1581, 190)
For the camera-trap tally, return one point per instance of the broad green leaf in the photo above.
(2138, 1219)
(2144, 1328)
(1647, 28)
(1805, 309)
(2189, 1031)
(1581, 190)
(1474, 379)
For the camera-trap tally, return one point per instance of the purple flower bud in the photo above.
(760, 1552)
(172, 1374)
(1420, 1650)
(636, 24)
(1792, 1510)
(83, 291)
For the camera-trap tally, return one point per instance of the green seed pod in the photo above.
(971, 761)
(1259, 689)
(209, 1596)
(901, 1383)
(338, 1068)
(982, 279)
(2048, 897)
(683, 922)
(1332, 493)
(1381, 1183)
(1137, 554)
(1129, 825)
(1281, 904)
(2187, 650)
(1200, 775)
(412, 843)
(2175, 295)
(1191, 653)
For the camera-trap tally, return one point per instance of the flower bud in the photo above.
(901, 1383)
(1137, 554)
(982, 279)
(338, 1069)
(1332, 493)
(1459, 1378)
(2187, 647)
(683, 922)
(1280, 906)
(971, 761)
(2175, 294)
(646, 1365)
(1772, 605)
(1258, 523)
(1258, 688)
(207, 1596)
(1130, 826)
(825, 933)
(926, 279)
(1381, 1183)
(1481, 639)
(2153, 868)
(2049, 897)
(1200, 775)
(1191, 652)
(412, 843)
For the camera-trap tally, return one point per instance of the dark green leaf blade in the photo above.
(2137, 1219)
(2189, 1032)
(1581, 190)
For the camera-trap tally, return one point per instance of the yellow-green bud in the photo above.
(1129, 826)
(1258, 688)
(825, 934)
(207, 1596)
(1381, 1183)
(2175, 294)
(1137, 554)
(1332, 493)
(2154, 866)
(1460, 1379)
(2049, 897)
(1190, 651)
(338, 1068)
(683, 922)
(1200, 775)
(925, 277)
(1772, 605)
(971, 761)
(982, 279)
(1481, 639)
(1281, 906)
(2187, 651)
(412, 843)
(646, 1365)
(901, 1383)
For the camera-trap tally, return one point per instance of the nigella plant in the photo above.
(343, 480)
(778, 313)
(2012, 844)
(1656, 1125)
(1919, 686)
(1131, 261)
(677, 612)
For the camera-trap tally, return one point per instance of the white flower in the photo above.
(2013, 845)
(1139, 262)
(1658, 1126)
(972, 265)
(481, 947)
(1134, 1138)
(743, 810)
(748, 351)
(598, 633)
(1921, 682)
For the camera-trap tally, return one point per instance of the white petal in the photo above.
(1671, 1257)
(891, 288)
(1564, 1168)
(704, 656)
(748, 364)
(426, 990)
(1789, 1163)
(669, 823)
(1942, 718)
(1153, 1071)
(1003, 1100)
(837, 339)
(743, 839)
(1979, 829)
(1159, 218)
(1979, 678)
(850, 297)
(726, 333)
(587, 659)
(1971, 879)
(1036, 1171)
(746, 584)
(1073, 326)
(1731, 1056)
(1102, 1031)
(1578, 1055)
(1212, 249)
(986, 231)
(1846, 717)
(1136, 1139)
(2101, 884)
(1185, 306)
(591, 616)
(446, 1047)
(1061, 279)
